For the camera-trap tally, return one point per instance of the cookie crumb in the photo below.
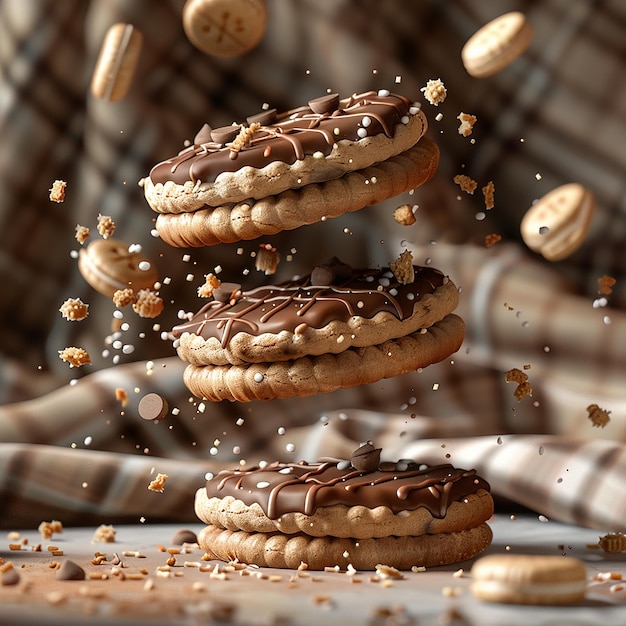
(74, 309)
(435, 91)
(57, 191)
(106, 226)
(404, 215)
(467, 123)
(121, 395)
(613, 542)
(148, 304)
(492, 239)
(403, 269)
(124, 297)
(523, 388)
(467, 184)
(244, 137)
(76, 357)
(211, 283)
(158, 484)
(267, 259)
(599, 417)
(387, 571)
(81, 234)
(605, 284)
(47, 529)
(105, 533)
(489, 191)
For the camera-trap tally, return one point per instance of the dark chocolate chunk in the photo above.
(184, 535)
(203, 135)
(224, 134)
(70, 571)
(366, 458)
(325, 104)
(264, 117)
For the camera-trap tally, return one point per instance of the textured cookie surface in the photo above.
(274, 154)
(326, 373)
(289, 551)
(297, 207)
(322, 312)
(529, 579)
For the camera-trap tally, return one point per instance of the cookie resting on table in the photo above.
(334, 328)
(280, 172)
(331, 513)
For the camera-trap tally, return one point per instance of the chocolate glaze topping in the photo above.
(271, 309)
(289, 137)
(281, 488)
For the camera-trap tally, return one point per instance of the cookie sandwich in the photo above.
(359, 512)
(336, 327)
(277, 172)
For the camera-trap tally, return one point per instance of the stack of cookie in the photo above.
(336, 327)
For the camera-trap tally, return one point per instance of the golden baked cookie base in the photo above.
(289, 551)
(297, 207)
(333, 338)
(341, 521)
(307, 376)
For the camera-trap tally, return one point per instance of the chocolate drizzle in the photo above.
(289, 138)
(272, 309)
(281, 488)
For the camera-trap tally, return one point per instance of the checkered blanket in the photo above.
(70, 450)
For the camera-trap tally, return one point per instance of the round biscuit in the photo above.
(333, 338)
(294, 208)
(116, 63)
(557, 224)
(326, 373)
(359, 522)
(248, 182)
(496, 45)
(529, 579)
(289, 551)
(225, 28)
(107, 265)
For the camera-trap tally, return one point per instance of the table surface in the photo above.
(146, 592)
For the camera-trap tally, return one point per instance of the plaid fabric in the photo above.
(564, 98)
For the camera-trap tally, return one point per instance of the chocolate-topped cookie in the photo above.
(280, 171)
(332, 513)
(304, 337)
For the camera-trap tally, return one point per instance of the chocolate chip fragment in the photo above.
(184, 535)
(265, 118)
(324, 104)
(227, 292)
(70, 571)
(153, 407)
(366, 458)
(10, 577)
(203, 135)
(224, 134)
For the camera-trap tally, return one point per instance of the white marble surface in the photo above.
(321, 598)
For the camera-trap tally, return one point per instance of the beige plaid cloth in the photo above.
(70, 450)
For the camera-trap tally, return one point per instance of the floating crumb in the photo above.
(489, 191)
(76, 357)
(605, 284)
(244, 137)
(106, 226)
(158, 484)
(404, 215)
(267, 259)
(121, 395)
(81, 234)
(467, 123)
(599, 417)
(57, 191)
(492, 239)
(523, 388)
(124, 297)
(613, 542)
(387, 571)
(467, 184)
(74, 309)
(403, 269)
(105, 533)
(434, 91)
(47, 529)
(148, 304)
(211, 283)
